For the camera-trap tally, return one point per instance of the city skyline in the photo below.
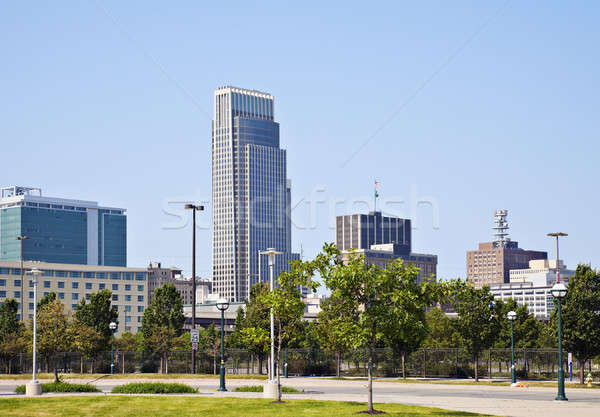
(125, 119)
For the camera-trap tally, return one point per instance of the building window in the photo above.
(88, 296)
(88, 285)
(17, 282)
(101, 286)
(140, 309)
(140, 288)
(140, 298)
(127, 309)
(61, 284)
(61, 274)
(127, 287)
(127, 319)
(128, 276)
(30, 284)
(115, 297)
(31, 306)
(128, 297)
(100, 275)
(46, 284)
(115, 287)
(2, 283)
(115, 275)
(75, 285)
(75, 274)
(140, 276)
(75, 296)
(2, 294)
(17, 294)
(61, 295)
(88, 275)
(74, 307)
(30, 294)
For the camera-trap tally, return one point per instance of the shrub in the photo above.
(153, 388)
(260, 388)
(61, 387)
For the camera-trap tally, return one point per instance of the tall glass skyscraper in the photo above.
(60, 230)
(251, 193)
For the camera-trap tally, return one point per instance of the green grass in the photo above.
(260, 388)
(43, 376)
(486, 382)
(200, 406)
(61, 387)
(153, 388)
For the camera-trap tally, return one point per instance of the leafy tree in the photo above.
(12, 345)
(98, 314)
(234, 341)
(441, 332)
(370, 296)
(129, 342)
(477, 322)
(162, 322)
(53, 335)
(547, 337)
(85, 340)
(330, 322)
(11, 342)
(212, 343)
(46, 299)
(526, 327)
(581, 316)
(285, 302)
(406, 327)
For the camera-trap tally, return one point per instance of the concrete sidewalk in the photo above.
(494, 400)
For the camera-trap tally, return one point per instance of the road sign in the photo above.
(194, 335)
(194, 345)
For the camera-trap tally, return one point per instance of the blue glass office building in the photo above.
(60, 230)
(251, 192)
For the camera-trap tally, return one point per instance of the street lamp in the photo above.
(222, 304)
(271, 252)
(559, 291)
(512, 316)
(557, 235)
(34, 387)
(21, 239)
(112, 326)
(194, 208)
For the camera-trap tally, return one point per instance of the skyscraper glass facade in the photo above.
(60, 231)
(251, 193)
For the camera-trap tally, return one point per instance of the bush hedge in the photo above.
(61, 387)
(153, 388)
(260, 388)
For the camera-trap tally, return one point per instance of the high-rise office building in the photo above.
(250, 191)
(381, 239)
(60, 230)
(491, 263)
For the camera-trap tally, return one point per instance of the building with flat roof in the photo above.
(492, 262)
(71, 283)
(59, 230)
(250, 192)
(381, 239)
(531, 286)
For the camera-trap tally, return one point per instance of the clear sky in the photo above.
(471, 105)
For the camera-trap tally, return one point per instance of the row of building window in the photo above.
(126, 276)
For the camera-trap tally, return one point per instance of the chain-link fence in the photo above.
(442, 363)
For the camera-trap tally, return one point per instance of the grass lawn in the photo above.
(196, 406)
(484, 382)
(45, 376)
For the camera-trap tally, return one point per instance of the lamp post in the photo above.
(112, 326)
(559, 291)
(194, 208)
(21, 239)
(271, 252)
(222, 305)
(512, 316)
(557, 235)
(34, 387)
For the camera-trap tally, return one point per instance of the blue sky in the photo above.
(473, 106)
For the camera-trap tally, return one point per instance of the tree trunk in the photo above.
(260, 365)
(81, 364)
(278, 364)
(337, 364)
(581, 371)
(476, 368)
(215, 361)
(166, 363)
(403, 368)
(161, 364)
(55, 370)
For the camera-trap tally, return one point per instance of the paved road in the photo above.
(506, 401)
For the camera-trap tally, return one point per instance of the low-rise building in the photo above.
(72, 282)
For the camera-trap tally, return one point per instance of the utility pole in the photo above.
(194, 208)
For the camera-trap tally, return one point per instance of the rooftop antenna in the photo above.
(501, 238)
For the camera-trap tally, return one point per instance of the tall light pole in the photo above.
(512, 316)
(271, 252)
(21, 239)
(559, 291)
(34, 387)
(112, 326)
(557, 235)
(222, 305)
(194, 208)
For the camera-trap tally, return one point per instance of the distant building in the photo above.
(251, 192)
(71, 283)
(158, 275)
(531, 286)
(381, 239)
(60, 230)
(492, 262)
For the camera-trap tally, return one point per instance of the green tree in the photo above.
(526, 327)
(10, 332)
(406, 328)
(370, 296)
(53, 335)
(85, 340)
(128, 342)
(285, 303)
(212, 343)
(330, 322)
(46, 299)
(163, 322)
(98, 314)
(477, 322)
(441, 332)
(581, 316)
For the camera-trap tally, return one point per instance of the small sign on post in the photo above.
(194, 338)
